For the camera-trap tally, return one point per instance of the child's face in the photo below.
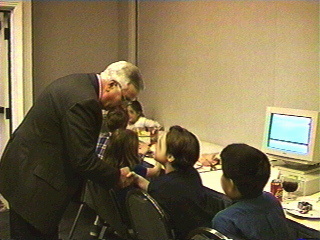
(161, 149)
(133, 115)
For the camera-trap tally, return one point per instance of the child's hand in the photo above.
(154, 171)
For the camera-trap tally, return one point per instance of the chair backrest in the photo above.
(108, 209)
(216, 201)
(203, 233)
(148, 220)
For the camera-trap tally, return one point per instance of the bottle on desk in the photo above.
(276, 189)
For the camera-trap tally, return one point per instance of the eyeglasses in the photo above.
(114, 83)
(129, 93)
(126, 101)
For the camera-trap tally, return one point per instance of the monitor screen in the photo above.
(289, 133)
(292, 134)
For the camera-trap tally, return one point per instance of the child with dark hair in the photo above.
(254, 214)
(179, 191)
(113, 119)
(122, 151)
(116, 118)
(137, 118)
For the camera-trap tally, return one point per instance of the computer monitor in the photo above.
(292, 135)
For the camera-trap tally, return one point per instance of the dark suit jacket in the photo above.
(52, 150)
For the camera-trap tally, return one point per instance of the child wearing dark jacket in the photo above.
(179, 191)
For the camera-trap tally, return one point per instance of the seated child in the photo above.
(137, 118)
(119, 147)
(122, 151)
(254, 215)
(113, 119)
(179, 191)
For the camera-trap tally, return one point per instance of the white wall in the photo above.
(214, 66)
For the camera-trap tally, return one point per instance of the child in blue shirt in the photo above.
(254, 215)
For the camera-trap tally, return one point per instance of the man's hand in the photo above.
(126, 178)
(139, 181)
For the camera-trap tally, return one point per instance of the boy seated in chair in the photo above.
(255, 214)
(179, 191)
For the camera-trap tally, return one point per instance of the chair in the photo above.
(216, 201)
(147, 218)
(300, 231)
(108, 209)
(82, 197)
(202, 233)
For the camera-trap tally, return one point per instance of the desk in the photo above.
(211, 179)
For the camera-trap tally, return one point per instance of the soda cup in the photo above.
(276, 189)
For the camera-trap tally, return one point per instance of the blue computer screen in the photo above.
(289, 133)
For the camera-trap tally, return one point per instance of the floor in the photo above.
(82, 230)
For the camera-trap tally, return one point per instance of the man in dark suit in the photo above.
(53, 150)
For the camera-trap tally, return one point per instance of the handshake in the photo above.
(128, 178)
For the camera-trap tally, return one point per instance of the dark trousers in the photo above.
(20, 229)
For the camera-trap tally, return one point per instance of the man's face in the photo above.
(111, 94)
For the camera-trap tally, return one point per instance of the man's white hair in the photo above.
(124, 73)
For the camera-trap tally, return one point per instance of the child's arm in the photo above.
(154, 171)
(139, 181)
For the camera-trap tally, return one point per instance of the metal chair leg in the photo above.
(76, 221)
(102, 232)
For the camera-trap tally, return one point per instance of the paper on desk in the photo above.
(292, 208)
(209, 159)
